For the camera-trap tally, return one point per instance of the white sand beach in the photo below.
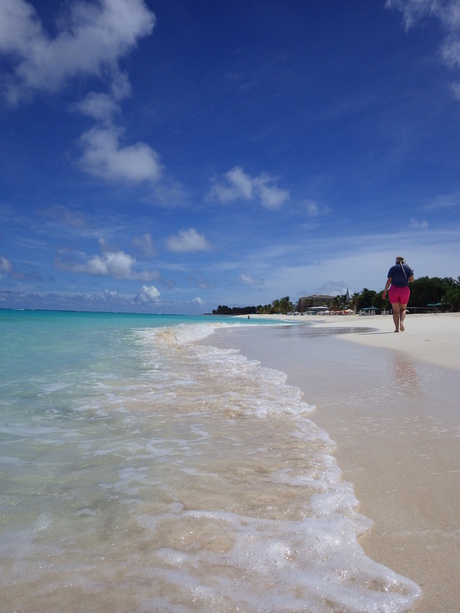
(432, 338)
(391, 403)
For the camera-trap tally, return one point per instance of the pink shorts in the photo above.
(398, 295)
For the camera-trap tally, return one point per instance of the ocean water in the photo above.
(141, 471)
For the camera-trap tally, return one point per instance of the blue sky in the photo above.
(170, 156)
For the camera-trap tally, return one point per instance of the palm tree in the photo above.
(353, 301)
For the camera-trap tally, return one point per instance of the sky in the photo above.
(171, 156)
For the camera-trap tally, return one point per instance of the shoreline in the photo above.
(441, 331)
(390, 402)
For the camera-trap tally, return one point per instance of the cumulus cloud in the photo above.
(111, 263)
(105, 157)
(90, 38)
(198, 301)
(238, 185)
(188, 241)
(271, 196)
(448, 13)
(103, 107)
(148, 293)
(98, 106)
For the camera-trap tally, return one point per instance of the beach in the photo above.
(390, 403)
(180, 463)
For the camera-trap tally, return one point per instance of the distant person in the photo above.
(399, 277)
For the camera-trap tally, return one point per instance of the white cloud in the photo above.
(111, 294)
(90, 38)
(450, 49)
(188, 241)
(418, 225)
(444, 201)
(197, 301)
(112, 263)
(121, 87)
(100, 107)
(104, 157)
(237, 185)
(248, 280)
(313, 209)
(5, 265)
(145, 244)
(148, 293)
(448, 13)
(271, 196)
(455, 89)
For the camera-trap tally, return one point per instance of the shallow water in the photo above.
(141, 471)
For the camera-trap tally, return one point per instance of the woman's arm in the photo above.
(388, 283)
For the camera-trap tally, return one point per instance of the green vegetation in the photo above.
(283, 306)
(426, 292)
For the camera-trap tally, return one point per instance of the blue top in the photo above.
(399, 274)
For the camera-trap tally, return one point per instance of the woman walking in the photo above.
(399, 277)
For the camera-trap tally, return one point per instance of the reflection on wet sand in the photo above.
(405, 376)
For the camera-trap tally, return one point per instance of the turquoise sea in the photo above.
(141, 471)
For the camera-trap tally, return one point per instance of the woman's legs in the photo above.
(399, 314)
(396, 314)
(402, 315)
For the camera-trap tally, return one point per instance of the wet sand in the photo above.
(391, 403)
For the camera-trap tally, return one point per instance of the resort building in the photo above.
(316, 300)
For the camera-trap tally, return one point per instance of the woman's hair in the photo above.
(399, 259)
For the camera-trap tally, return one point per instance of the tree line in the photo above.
(425, 291)
(282, 305)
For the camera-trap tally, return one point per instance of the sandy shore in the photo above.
(432, 338)
(391, 403)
